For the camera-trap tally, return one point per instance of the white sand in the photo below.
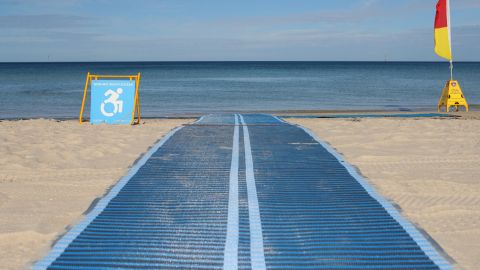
(429, 167)
(50, 172)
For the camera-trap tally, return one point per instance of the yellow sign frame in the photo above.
(136, 103)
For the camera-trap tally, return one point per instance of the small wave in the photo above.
(44, 92)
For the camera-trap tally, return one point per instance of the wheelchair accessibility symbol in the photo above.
(113, 99)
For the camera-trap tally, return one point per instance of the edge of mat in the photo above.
(419, 238)
(60, 246)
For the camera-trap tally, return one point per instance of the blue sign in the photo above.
(112, 101)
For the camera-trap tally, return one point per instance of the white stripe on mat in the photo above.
(256, 236)
(230, 259)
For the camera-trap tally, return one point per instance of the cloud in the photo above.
(46, 4)
(49, 21)
(346, 15)
(176, 30)
(364, 12)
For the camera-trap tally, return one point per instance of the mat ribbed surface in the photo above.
(313, 214)
(171, 214)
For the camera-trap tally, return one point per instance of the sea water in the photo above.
(176, 88)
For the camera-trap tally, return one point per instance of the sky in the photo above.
(224, 30)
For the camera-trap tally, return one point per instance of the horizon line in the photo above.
(238, 61)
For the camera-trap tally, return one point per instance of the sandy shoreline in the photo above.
(474, 111)
(51, 171)
(428, 167)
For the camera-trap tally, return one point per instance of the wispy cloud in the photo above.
(213, 30)
(345, 15)
(47, 21)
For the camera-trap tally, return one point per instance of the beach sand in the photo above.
(51, 172)
(430, 168)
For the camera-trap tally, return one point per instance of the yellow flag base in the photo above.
(452, 96)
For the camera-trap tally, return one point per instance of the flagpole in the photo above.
(451, 70)
(452, 95)
(450, 39)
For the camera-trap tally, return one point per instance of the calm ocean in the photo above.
(168, 88)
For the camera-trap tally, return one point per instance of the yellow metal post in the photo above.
(80, 118)
(138, 98)
(136, 102)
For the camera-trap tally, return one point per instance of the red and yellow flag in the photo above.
(443, 45)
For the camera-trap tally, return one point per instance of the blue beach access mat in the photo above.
(242, 192)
